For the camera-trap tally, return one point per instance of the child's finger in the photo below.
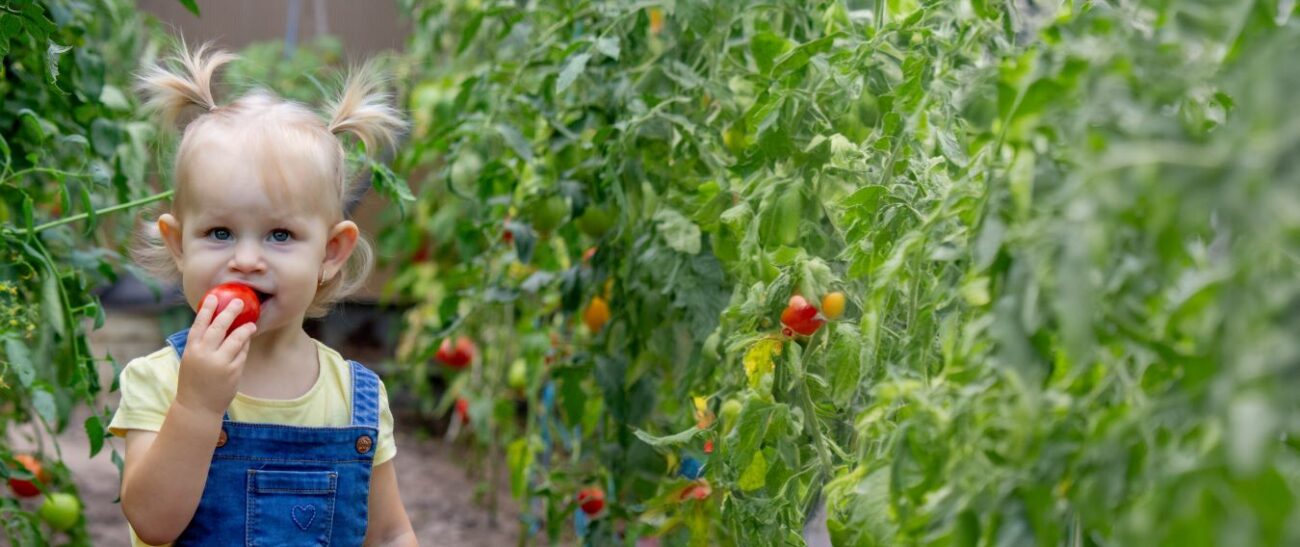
(203, 318)
(238, 340)
(221, 324)
(238, 360)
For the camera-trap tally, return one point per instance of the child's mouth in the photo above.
(262, 297)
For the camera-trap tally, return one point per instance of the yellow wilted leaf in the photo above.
(758, 360)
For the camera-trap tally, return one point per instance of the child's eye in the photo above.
(281, 235)
(220, 234)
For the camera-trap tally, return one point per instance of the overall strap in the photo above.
(177, 341)
(365, 396)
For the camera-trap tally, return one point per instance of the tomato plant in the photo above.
(1064, 241)
(73, 151)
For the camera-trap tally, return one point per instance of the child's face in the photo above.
(233, 231)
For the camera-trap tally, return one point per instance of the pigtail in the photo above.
(168, 91)
(363, 110)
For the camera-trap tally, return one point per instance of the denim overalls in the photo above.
(284, 485)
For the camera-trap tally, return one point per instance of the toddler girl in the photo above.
(259, 435)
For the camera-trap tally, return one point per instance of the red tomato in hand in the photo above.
(801, 316)
(25, 488)
(228, 292)
(456, 353)
(591, 499)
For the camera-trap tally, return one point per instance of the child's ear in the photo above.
(342, 239)
(170, 230)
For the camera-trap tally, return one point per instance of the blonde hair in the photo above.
(276, 131)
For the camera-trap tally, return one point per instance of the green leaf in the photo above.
(737, 218)
(799, 56)
(607, 46)
(669, 441)
(519, 457)
(192, 6)
(19, 356)
(4, 152)
(471, 30)
(43, 403)
(88, 205)
(516, 141)
(951, 148)
(572, 69)
(391, 186)
(766, 46)
(755, 474)
(845, 363)
(94, 432)
(679, 232)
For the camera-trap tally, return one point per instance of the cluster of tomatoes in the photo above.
(802, 318)
(60, 510)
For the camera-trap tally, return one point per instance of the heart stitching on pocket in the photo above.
(308, 512)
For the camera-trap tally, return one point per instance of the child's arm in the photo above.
(165, 472)
(389, 525)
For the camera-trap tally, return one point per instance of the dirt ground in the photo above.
(438, 494)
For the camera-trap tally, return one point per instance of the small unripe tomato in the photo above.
(61, 511)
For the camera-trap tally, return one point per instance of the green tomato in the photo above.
(730, 411)
(548, 214)
(734, 139)
(465, 171)
(595, 221)
(868, 109)
(61, 510)
(781, 219)
(517, 377)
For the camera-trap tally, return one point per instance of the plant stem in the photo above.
(104, 211)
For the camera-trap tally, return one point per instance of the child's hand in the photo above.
(213, 362)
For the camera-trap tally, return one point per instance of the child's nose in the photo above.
(247, 257)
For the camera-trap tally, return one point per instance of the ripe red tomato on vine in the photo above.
(27, 488)
(801, 317)
(457, 353)
(591, 499)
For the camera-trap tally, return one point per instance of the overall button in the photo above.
(221, 439)
(364, 443)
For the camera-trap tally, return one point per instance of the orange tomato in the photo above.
(833, 305)
(656, 20)
(596, 314)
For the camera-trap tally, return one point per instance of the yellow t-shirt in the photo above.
(148, 385)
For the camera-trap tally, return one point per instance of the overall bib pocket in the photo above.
(290, 508)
